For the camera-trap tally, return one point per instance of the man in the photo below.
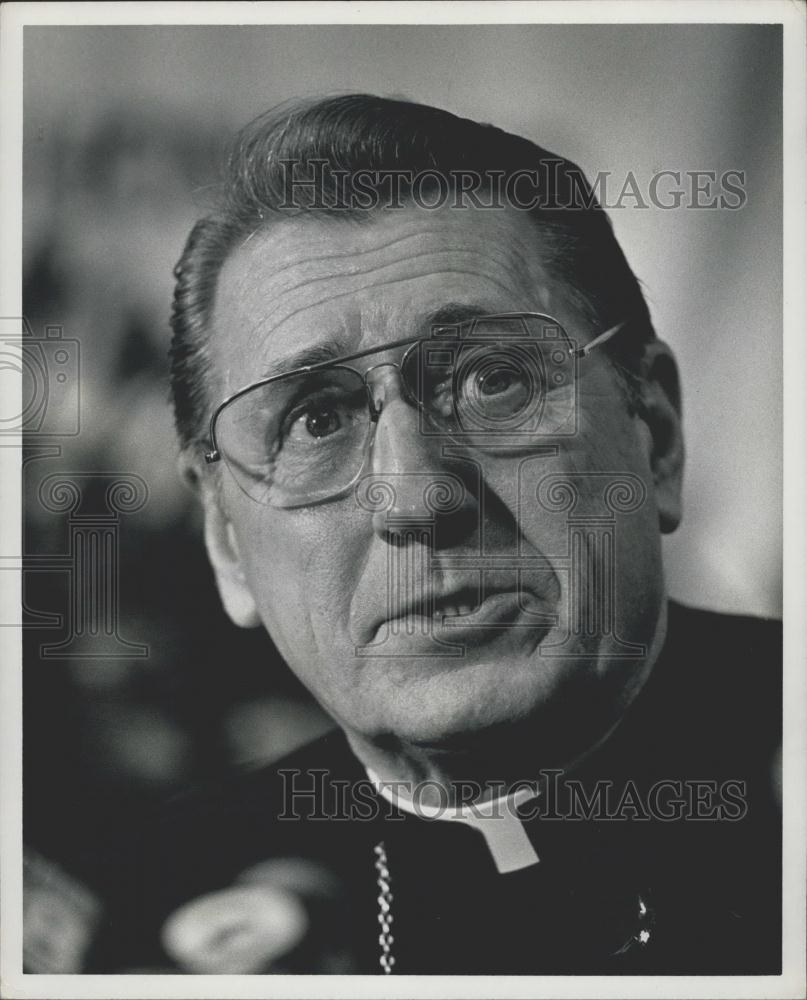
(437, 440)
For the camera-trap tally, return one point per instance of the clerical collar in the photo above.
(496, 819)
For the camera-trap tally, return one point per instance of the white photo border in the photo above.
(13, 18)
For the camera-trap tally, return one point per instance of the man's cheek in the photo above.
(308, 600)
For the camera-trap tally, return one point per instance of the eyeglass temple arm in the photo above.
(583, 352)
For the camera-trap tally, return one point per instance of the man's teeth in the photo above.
(443, 610)
(452, 611)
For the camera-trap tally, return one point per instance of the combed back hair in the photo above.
(350, 139)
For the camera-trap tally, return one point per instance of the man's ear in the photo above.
(222, 549)
(660, 410)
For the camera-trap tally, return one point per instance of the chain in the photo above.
(385, 938)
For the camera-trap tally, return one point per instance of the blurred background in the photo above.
(125, 130)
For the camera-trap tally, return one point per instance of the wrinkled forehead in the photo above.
(346, 284)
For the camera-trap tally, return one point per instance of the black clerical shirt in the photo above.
(688, 882)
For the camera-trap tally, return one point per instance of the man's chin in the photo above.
(451, 702)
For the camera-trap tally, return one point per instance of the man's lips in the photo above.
(466, 607)
(459, 602)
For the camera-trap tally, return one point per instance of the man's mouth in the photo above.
(453, 612)
(459, 604)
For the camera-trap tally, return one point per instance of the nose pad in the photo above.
(402, 444)
(380, 382)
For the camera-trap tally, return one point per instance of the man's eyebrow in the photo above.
(328, 350)
(453, 313)
(333, 348)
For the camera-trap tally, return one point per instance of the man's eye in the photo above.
(316, 423)
(497, 381)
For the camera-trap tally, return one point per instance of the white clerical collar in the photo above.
(496, 820)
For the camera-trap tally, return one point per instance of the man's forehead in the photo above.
(308, 280)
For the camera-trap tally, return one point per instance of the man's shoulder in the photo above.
(734, 629)
(733, 658)
(714, 698)
(251, 798)
(213, 837)
(221, 825)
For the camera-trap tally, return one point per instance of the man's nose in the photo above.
(423, 495)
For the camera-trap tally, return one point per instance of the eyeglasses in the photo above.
(494, 384)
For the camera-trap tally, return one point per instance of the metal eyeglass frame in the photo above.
(214, 454)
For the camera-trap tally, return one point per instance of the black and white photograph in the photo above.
(402, 432)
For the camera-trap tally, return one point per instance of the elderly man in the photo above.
(437, 441)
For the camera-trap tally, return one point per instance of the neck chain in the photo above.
(385, 938)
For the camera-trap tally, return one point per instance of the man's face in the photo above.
(552, 593)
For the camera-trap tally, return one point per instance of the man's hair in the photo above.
(354, 145)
